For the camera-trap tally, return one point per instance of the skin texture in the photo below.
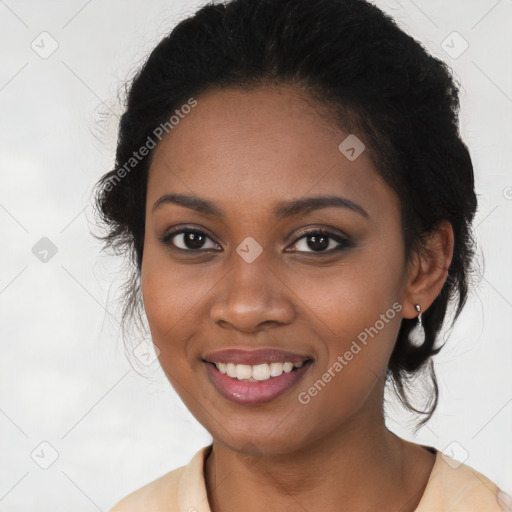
(246, 151)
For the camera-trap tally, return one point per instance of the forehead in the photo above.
(260, 146)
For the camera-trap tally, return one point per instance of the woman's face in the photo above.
(258, 286)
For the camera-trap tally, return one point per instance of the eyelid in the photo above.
(326, 231)
(178, 230)
(341, 239)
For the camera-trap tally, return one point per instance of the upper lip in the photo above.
(254, 357)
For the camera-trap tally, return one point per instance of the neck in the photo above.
(362, 466)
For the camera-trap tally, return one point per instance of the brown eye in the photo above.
(321, 241)
(189, 240)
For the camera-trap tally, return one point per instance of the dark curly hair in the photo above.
(373, 77)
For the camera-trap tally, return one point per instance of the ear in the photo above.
(428, 270)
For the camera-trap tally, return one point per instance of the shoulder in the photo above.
(160, 493)
(176, 490)
(457, 487)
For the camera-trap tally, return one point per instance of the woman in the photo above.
(292, 187)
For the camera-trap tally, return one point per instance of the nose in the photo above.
(250, 297)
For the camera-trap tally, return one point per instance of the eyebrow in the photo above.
(281, 210)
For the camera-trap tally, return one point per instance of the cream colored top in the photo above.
(452, 487)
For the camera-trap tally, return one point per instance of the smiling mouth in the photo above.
(258, 372)
(255, 384)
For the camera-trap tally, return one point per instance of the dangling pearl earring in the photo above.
(417, 333)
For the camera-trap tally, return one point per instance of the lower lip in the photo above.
(248, 393)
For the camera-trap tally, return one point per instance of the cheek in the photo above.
(358, 328)
(167, 300)
(175, 306)
(352, 296)
(357, 308)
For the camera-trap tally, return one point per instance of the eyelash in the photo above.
(343, 241)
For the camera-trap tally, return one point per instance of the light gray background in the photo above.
(64, 377)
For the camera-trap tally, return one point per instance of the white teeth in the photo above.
(261, 372)
(257, 372)
(243, 371)
(287, 367)
(231, 370)
(276, 369)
